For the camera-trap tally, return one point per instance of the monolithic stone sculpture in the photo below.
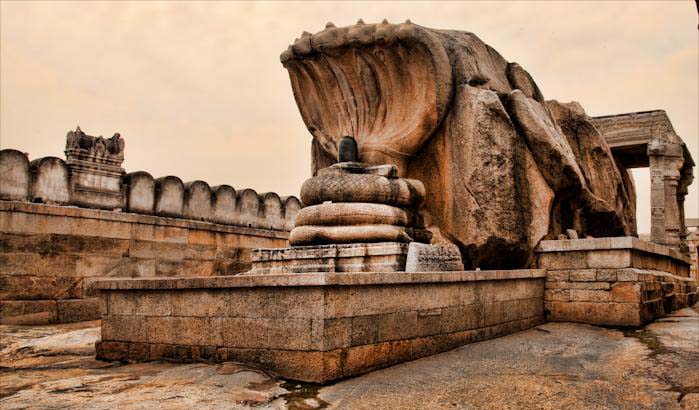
(502, 168)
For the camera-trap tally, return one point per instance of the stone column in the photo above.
(666, 160)
(686, 178)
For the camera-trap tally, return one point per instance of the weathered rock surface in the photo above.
(53, 367)
(433, 258)
(612, 205)
(500, 172)
(351, 202)
(353, 213)
(553, 366)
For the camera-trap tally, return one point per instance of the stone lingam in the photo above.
(357, 218)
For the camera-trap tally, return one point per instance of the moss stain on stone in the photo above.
(300, 392)
(650, 340)
(656, 347)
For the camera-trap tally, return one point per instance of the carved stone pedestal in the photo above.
(356, 257)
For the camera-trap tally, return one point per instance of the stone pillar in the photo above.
(666, 160)
(686, 178)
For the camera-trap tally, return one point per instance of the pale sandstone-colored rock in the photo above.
(614, 206)
(353, 213)
(461, 109)
(223, 208)
(95, 170)
(351, 202)
(362, 188)
(169, 196)
(320, 235)
(15, 180)
(50, 182)
(484, 151)
(355, 257)
(140, 192)
(197, 200)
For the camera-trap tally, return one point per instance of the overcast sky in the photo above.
(197, 90)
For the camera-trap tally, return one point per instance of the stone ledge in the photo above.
(621, 242)
(84, 213)
(315, 279)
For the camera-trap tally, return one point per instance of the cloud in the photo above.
(197, 90)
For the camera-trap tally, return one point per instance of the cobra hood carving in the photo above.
(502, 167)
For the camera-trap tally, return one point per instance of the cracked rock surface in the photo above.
(555, 365)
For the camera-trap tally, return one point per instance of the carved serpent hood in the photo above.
(387, 85)
(449, 110)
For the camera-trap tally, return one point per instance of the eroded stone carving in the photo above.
(351, 202)
(502, 169)
(96, 173)
(433, 258)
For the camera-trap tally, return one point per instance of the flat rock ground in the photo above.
(553, 366)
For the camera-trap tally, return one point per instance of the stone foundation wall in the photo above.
(615, 297)
(613, 281)
(314, 326)
(49, 255)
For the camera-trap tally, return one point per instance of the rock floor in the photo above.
(552, 366)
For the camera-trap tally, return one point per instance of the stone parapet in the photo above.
(49, 255)
(54, 181)
(314, 327)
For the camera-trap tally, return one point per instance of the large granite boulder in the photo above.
(502, 168)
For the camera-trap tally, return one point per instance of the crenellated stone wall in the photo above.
(65, 223)
(50, 180)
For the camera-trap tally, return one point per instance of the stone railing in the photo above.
(52, 180)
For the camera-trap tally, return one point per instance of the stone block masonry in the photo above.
(614, 281)
(49, 255)
(53, 181)
(96, 220)
(314, 327)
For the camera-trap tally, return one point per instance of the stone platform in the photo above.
(314, 327)
(622, 281)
